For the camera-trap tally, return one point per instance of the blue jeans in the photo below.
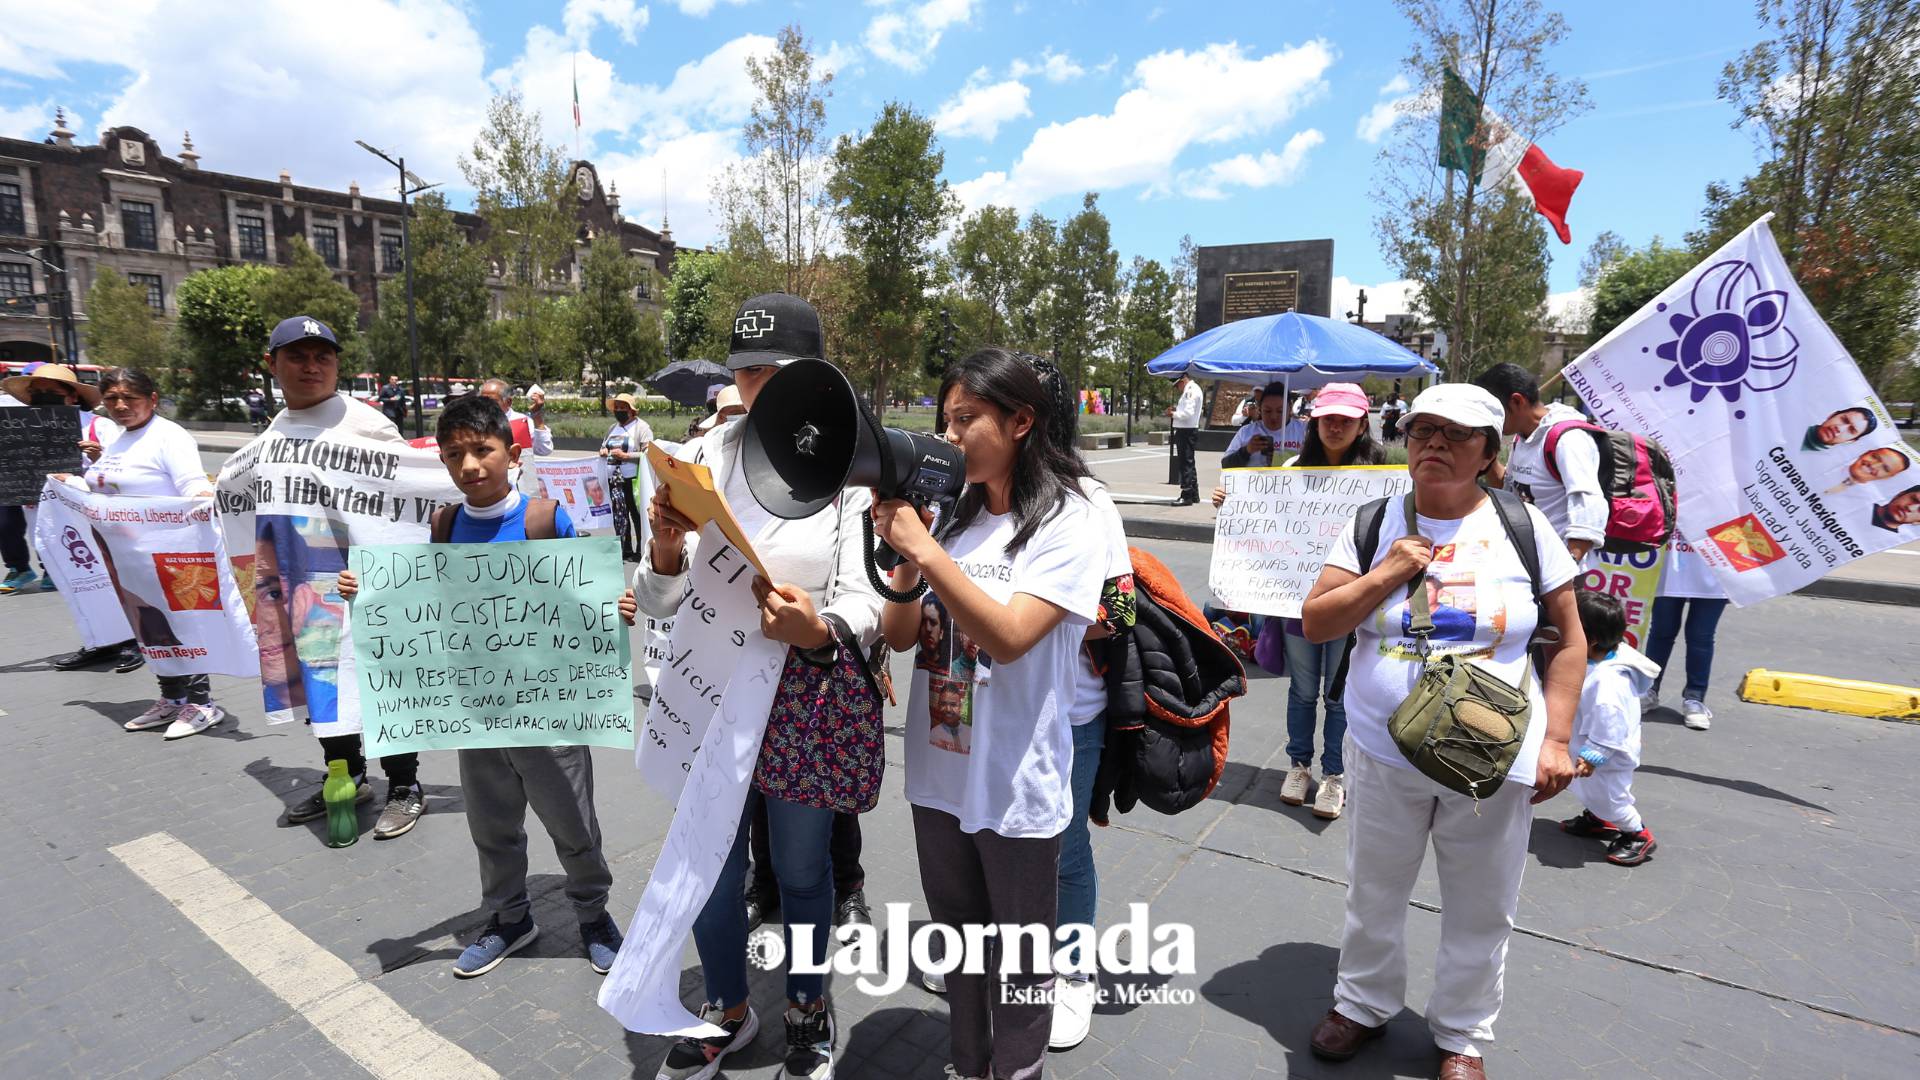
(799, 835)
(1079, 880)
(1702, 618)
(1310, 671)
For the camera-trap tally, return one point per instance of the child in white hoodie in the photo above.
(1606, 736)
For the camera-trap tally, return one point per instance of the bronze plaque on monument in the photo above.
(1249, 296)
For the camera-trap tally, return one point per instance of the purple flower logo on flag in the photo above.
(77, 550)
(1735, 336)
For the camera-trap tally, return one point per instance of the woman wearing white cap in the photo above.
(1481, 598)
(625, 444)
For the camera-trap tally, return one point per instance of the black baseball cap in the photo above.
(773, 328)
(300, 328)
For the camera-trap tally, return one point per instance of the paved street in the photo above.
(1772, 935)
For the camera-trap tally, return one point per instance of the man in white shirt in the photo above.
(1186, 435)
(539, 436)
(1569, 491)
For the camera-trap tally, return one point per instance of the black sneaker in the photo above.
(696, 1058)
(852, 910)
(761, 906)
(809, 1044)
(316, 806)
(1589, 824)
(1631, 849)
(128, 659)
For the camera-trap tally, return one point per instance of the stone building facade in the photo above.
(69, 212)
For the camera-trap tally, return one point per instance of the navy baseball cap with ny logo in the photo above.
(773, 328)
(300, 328)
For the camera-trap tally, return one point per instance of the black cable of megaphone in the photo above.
(879, 583)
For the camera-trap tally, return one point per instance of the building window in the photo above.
(16, 279)
(326, 241)
(253, 237)
(13, 214)
(390, 252)
(137, 222)
(156, 299)
(644, 290)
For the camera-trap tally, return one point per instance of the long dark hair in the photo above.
(1044, 473)
(132, 378)
(1364, 450)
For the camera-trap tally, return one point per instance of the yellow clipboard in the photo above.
(690, 485)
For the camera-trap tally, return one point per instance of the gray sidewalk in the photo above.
(1772, 935)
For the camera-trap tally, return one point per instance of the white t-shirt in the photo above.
(1186, 411)
(1482, 605)
(1688, 575)
(1574, 504)
(991, 743)
(746, 509)
(159, 458)
(629, 437)
(1089, 686)
(1247, 433)
(1295, 435)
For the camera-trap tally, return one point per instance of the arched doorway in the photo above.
(25, 352)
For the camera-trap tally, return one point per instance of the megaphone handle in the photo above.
(875, 552)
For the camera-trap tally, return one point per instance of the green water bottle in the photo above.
(339, 792)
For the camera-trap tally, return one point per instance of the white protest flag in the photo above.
(701, 742)
(317, 482)
(71, 556)
(579, 485)
(167, 562)
(1273, 531)
(1787, 465)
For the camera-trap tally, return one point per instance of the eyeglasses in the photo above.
(1422, 430)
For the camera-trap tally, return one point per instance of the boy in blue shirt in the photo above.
(476, 444)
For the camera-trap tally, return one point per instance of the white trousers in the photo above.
(1609, 794)
(1391, 815)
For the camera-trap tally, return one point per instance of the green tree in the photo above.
(221, 334)
(1186, 295)
(893, 205)
(1833, 98)
(1146, 329)
(1631, 281)
(987, 257)
(1478, 256)
(122, 329)
(1085, 284)
(522, 188)
(449, 296)
(775, 205)
(693, 329)
(1606, 249)
(612, 335)
(306, 286)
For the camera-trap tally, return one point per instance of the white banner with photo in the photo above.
(1272, 534)
(165, 560)
(579, 485)
(71, 555)
(1787, 464)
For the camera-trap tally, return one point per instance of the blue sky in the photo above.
(1235, 121)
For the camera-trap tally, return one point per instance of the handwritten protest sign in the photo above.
(580, 486)
(35, 441)
(470, 645)
(1273, 532)
(1635, 580)
(654, 637)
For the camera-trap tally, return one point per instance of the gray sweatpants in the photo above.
(984, 878)
(498, 785)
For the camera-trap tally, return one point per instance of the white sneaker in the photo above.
(934, 981)
(1073, 1001)
(158, 714)
(1695, 714)
(193, 719)
(1649, 701)
(1293, 791)
(1331, 798)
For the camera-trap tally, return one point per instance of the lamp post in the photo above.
(409, 185)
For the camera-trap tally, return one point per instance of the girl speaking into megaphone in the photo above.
(989, 741)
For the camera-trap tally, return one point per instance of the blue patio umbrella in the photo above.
(1302, 351)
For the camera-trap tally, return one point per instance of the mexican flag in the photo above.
(1474, 140)
(576, 94)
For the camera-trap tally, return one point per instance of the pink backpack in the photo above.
(1637, 478)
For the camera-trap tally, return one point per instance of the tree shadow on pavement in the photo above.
(1288, 988)
(1553, 847)
(1744, 787)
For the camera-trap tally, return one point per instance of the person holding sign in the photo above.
(1255, 445)
(48, 386)
(1013, 573)
(530, 431)
(1484, 600)
(819, 604)
(499, 783)
(151, 455)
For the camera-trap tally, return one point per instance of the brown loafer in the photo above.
(1461, 1067)
(1337, 1038)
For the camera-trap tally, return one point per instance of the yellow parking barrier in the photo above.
(1881, 701)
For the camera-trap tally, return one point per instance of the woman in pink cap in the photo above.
(1338, 433)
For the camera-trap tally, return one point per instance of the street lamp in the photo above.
(409, 185)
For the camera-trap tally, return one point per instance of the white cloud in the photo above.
(1396, 102)
(1268, 169)
(622, 15)
(1570, 311)
(907, 38)
(34, 120)
(1386, 298)
(981, 107)
(699, 9)
(1177, 99)
(674, 177)
(1052, 66)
